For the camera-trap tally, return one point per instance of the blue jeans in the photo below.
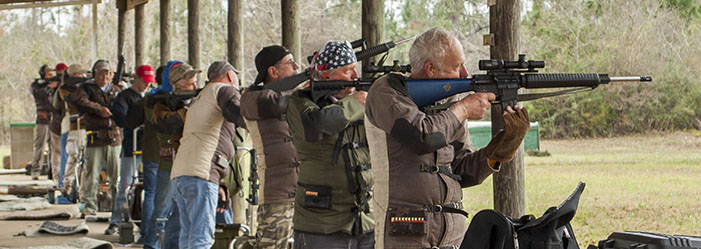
(197, 202)
(150, 179)
(164, 207)
(126, 178)
(64, 158)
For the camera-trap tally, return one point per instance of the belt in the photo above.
(453, 207)
(442, 169)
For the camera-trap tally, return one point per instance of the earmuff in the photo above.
(42, 70)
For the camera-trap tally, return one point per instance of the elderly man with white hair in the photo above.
(421, 159)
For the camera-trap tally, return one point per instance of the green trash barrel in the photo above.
(481, 134)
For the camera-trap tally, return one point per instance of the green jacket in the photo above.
(335, 184)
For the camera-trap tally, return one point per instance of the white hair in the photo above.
(431, 45)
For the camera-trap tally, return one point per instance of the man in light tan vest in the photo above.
(202, 161)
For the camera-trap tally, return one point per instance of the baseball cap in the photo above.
(182, 71)
(218, 68)
(61, 66)
(267, 57)
(102, 65)
(146, 73)
(76, 68)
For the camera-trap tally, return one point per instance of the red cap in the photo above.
(61, 66)
(146, 73)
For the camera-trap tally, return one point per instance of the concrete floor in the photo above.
(9, 228)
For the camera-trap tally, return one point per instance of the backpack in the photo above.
(491, 229)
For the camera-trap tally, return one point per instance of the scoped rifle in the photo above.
(504, 78)
(293, 81)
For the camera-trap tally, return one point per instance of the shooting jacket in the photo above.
(125, 101)
(264, 112)
(43, 95)
(420, 161)
(142, 114)
(169, 121)
(207, 147)
(90, 99)
(59, 112)
(334, 190)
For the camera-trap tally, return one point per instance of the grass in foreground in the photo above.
(646, 183)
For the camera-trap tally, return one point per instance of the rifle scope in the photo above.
(521, 63)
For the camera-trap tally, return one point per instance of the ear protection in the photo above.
(41, 71)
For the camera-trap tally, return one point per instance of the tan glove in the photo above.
(504, 145)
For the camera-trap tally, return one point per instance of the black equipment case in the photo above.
(644, 240)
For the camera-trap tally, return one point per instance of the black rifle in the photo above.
(321, 88)
(360, 43)
(291, 82)
(504, 78)
(120, 71)
(253, 179)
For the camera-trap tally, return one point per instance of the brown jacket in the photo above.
(43, 96)
(263, 110)
(407, 148)
(90, 100)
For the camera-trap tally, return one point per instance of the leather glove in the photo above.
(504, 145)
(223, 198)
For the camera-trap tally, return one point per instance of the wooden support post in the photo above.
(94, 30)
(373, 25)
(509, 183)
(165, 31)
(121, 25)
(139, 38)
(193, 34)
(235, 36)
(290, 28)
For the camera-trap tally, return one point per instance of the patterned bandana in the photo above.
(334, 55)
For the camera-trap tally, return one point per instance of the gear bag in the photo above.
(491, 229)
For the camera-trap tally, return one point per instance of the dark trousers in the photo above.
(338, 240)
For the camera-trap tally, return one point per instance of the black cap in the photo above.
(267, 57)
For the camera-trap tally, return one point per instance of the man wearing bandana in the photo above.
(332, 203)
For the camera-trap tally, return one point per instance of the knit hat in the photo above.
(334, 55)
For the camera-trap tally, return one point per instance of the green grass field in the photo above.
(637, 183)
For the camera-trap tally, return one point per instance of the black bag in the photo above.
(490, 229)
(643, 240)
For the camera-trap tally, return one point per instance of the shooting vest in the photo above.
(335, 181)
(278, 166)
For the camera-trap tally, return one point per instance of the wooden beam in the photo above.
(235, 37)
(46, 4)
(373, 25)
(139, 38)
(21, 1)
(290, 28)
(193, 33)
(165, 31)
(509, 182)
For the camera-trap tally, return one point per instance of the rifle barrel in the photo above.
(631, 78)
